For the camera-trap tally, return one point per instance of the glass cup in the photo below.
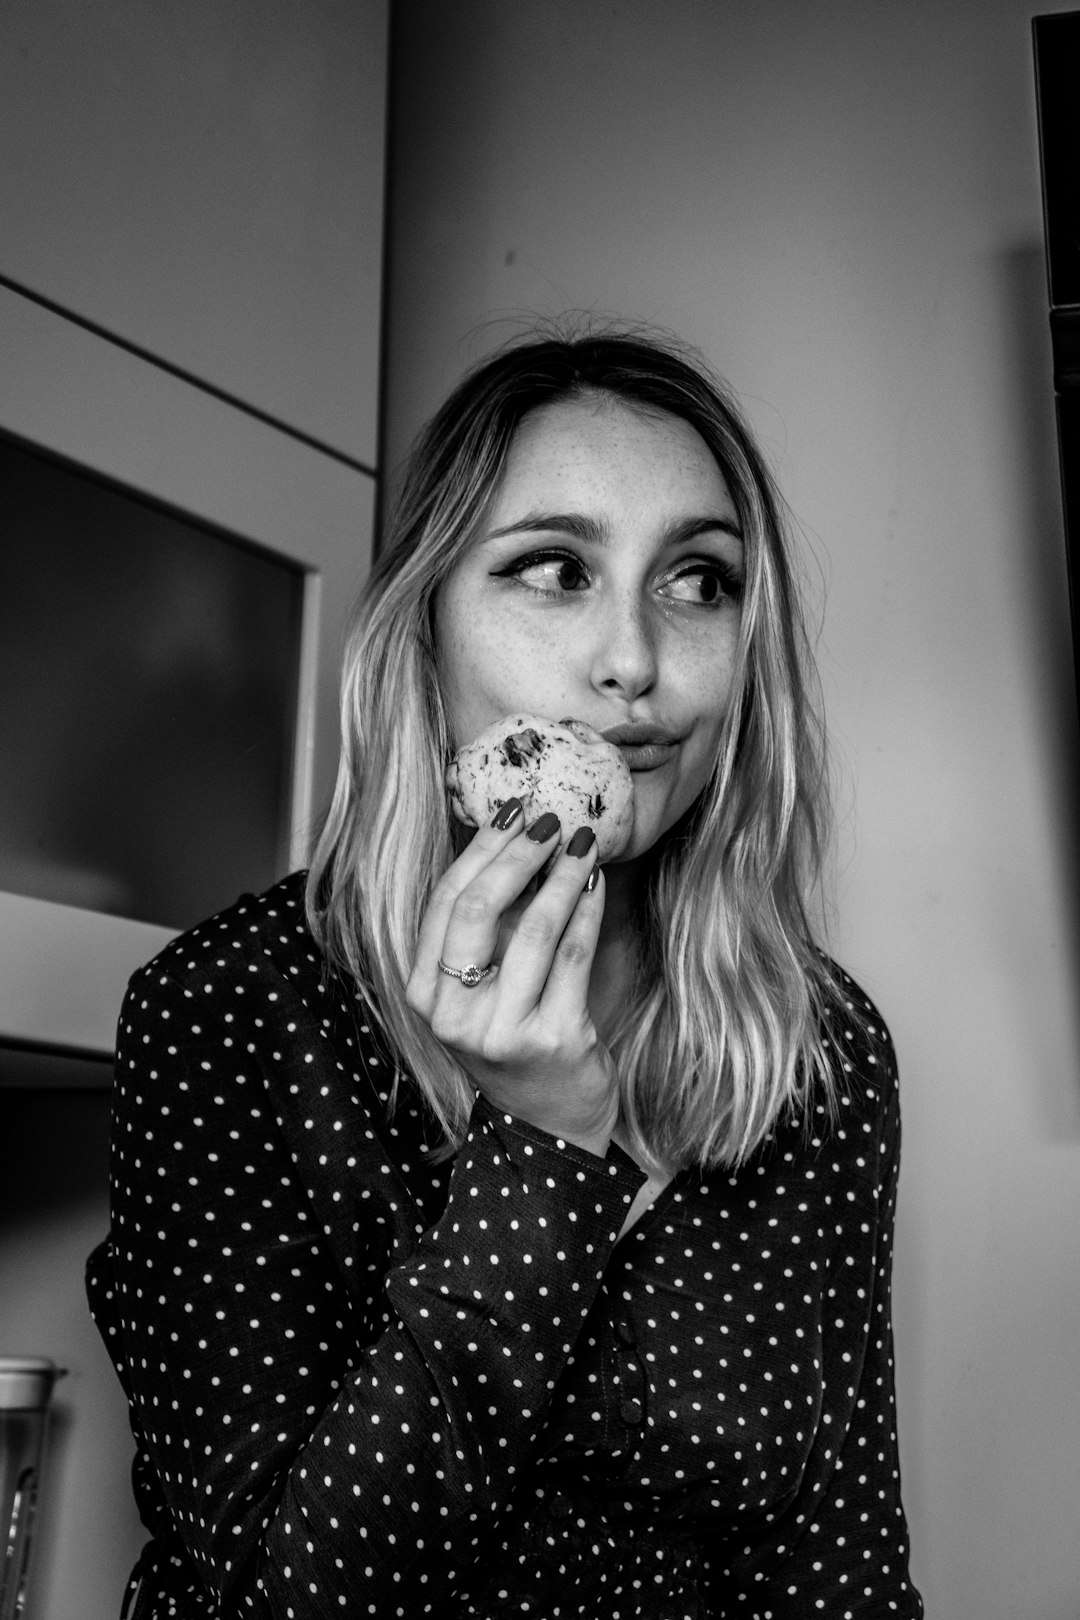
(26, 1384)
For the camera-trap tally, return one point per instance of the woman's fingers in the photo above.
(524, 1034)
(468, 902)
(565, 997)
(554, 940)
(487, 842)
(472, 926)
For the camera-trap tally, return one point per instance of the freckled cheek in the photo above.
(703, 673)
(492, 669)
(535, 651)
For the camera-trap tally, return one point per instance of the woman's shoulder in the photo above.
(862, 1055)
(854, 1017)
(251, 975)
(258, 935)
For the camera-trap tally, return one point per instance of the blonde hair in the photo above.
(727, 1027)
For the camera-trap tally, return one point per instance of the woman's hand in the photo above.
(524, 1034)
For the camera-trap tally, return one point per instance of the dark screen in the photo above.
(148, 692)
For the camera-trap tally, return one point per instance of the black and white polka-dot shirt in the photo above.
(366, 1384)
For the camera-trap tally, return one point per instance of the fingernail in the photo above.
(582, 841)
(506, 814)
(593, 879)
(545, 828)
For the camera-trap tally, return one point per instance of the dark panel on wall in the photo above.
(149, 667)
(1057, 74)
(1057, 82)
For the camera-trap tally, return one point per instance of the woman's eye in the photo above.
(704, 584)
(556, 574)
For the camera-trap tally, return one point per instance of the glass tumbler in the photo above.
(25, 1388)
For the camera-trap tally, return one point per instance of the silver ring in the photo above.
(470, 976)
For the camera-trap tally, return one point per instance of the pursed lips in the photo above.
(643, 747)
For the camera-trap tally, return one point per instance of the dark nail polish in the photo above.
(545, 828)
(506, 814)
(582, 841)
(593, 879)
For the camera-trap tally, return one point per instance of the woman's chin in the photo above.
(645, 833)
(655, 816)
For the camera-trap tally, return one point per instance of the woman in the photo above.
(564, 1293)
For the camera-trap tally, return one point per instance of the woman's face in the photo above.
(604, 586)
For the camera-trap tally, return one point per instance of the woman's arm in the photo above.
(841, 1548)
(328, 1442)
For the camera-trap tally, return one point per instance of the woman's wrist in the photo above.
(582, 1109)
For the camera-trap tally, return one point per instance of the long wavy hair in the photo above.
(726, 1029)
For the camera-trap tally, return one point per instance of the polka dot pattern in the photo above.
(364, 1381)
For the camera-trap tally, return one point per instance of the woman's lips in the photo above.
(647, 756)
(644, 746)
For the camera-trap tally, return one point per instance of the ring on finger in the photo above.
(470, 976)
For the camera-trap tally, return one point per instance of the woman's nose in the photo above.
(623, 652)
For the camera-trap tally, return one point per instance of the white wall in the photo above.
(206, 182)
(839, 203)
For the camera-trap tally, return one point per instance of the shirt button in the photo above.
(624, 1333)
(630, 1411)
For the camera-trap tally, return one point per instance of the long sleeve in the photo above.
(335, 1403)
(841, 1547)
(362, 1381)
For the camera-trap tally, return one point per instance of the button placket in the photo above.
(631, 1376)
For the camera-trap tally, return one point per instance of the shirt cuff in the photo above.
(615, 1175)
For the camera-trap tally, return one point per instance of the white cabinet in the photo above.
(190, 275)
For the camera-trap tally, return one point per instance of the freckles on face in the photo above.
(494, 658)
(604, 584)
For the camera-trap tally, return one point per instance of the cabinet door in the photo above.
(190, 280)
(63, 965)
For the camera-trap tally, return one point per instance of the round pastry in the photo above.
(563, 766)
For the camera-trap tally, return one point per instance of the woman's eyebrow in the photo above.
(690, 528)
(575, 524)
(592, 531)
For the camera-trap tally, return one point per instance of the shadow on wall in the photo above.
(1041, 594)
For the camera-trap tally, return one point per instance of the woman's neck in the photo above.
(624, 884)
